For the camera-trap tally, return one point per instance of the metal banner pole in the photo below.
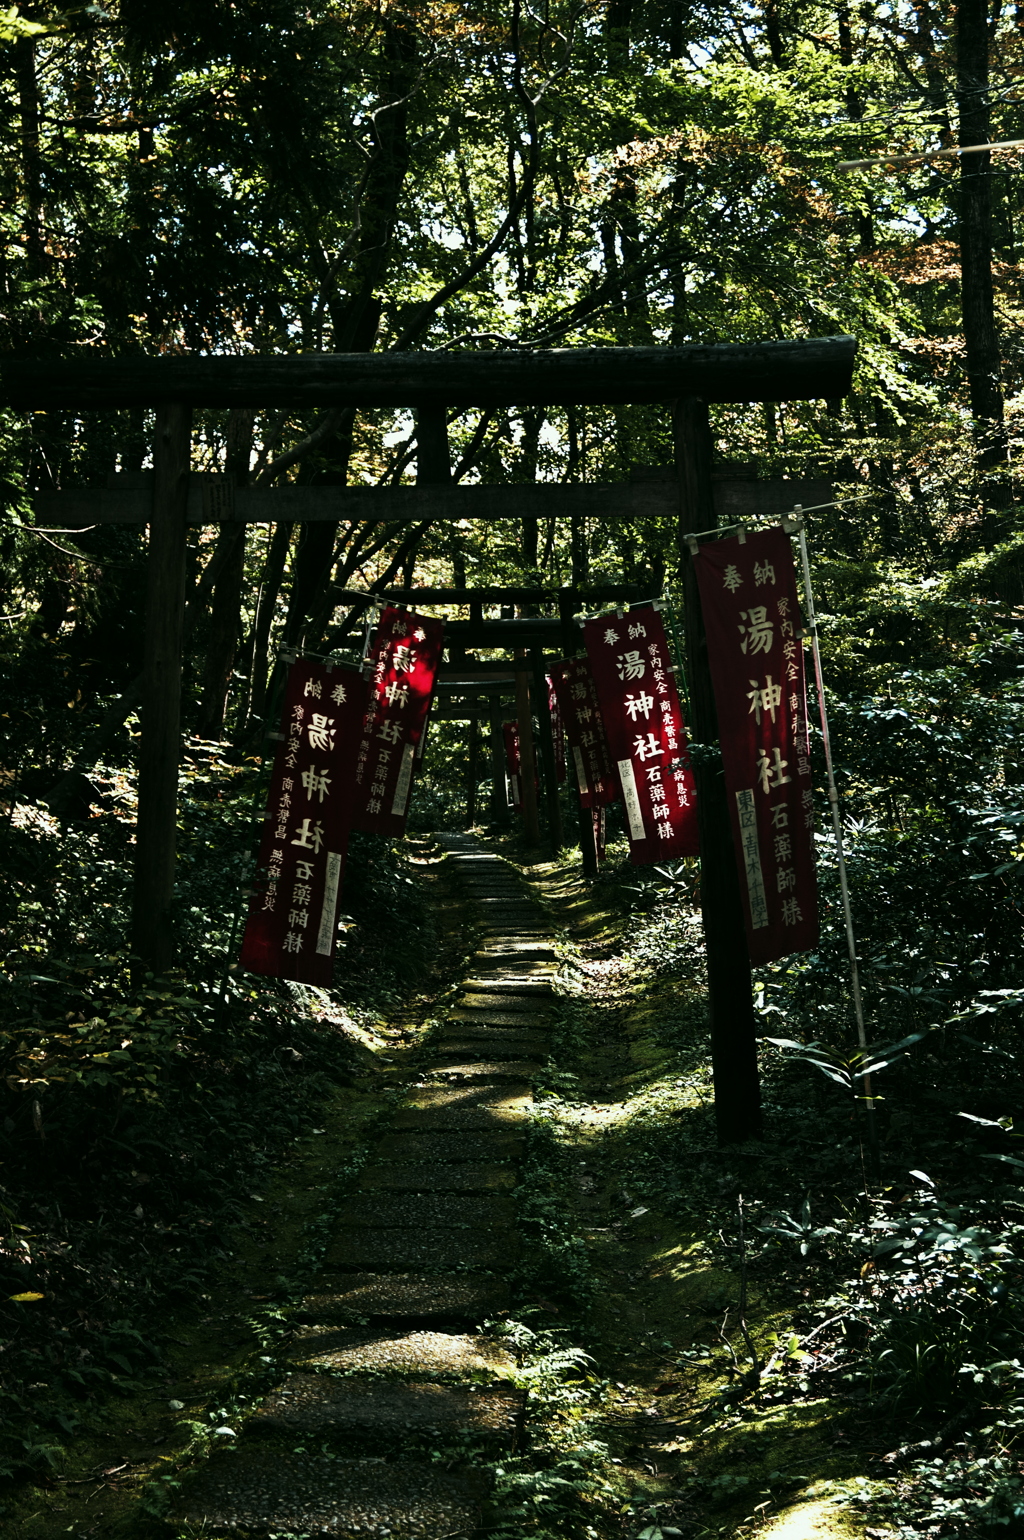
(837, 826)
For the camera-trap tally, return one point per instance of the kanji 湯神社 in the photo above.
(752, 617)
(643, 719)
(584, 733)
(557, 729)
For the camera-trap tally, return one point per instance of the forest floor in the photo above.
(633, 1321)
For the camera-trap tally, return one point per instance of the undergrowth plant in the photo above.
(135, 1116)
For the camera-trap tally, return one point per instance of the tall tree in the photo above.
(975, 232)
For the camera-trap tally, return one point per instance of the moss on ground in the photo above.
(647, 1433)
(662, 1322)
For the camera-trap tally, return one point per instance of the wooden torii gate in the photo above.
(432, 384)
(524, 679)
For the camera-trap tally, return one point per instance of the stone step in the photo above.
(522, 1038)
(527, 969)
(406, 1248)
(492, 1017)
(359, 1297)
(385, 1412)
(317, 1496)
(517, 962)
(542, 950)
(519, 984)
(428, 1211)
(496, 887)
(507, 1098)
(465, 1177)
(511, 921)
(514, 904)
(429, 1120)
(529, 1045)
(437, 1354)
(513, 962)
(501, 1144)
(482, 998)
(486, 1069)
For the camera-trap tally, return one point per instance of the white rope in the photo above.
(907, 160)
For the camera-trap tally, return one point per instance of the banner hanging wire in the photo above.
(332, 659)
(786, 519)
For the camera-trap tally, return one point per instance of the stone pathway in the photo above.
(389, 1363)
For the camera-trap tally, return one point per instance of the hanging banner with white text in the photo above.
(643, 719)
(404, 659)
(752, 617)
(557, 730)
(290, 931)
(513, 767)
(584, 733)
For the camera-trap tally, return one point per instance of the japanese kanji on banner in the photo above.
(557, 731)
(643, 719)
(600, 832)
(584, 732)
(290, 931)
(404, 659)
(751, 614)
(513, 767)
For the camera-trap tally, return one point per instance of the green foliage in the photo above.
(940, 1294)
(555, 1264)
(135, 1115)
(283, 177)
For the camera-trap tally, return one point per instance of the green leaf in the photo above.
(13, 26)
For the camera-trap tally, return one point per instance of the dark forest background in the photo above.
(262, 176)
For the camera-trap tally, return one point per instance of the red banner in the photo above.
(405, 659)
(513, 769)
(290, 931)
(751, 613)
(557, 731)
(584, 732)
(643, 718)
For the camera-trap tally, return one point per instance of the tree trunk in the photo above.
(618, 24)
(527, 762)
(854, 107)
(160, 742)
(730, 993)
(978, 309)
(532, 421)
(355, 320)
(773, 33)
(31, 157)
(225, 612)
(270, 588)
